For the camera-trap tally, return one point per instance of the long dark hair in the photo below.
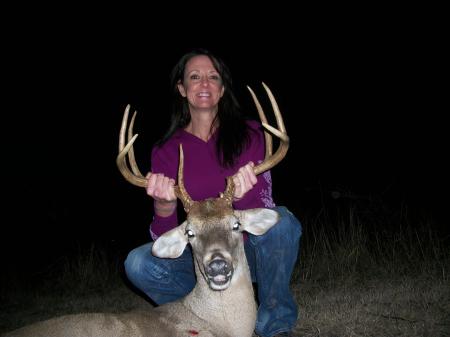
(232, 133)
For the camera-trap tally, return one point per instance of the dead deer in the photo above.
(222, 304)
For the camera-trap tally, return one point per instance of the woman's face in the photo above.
(202, 84)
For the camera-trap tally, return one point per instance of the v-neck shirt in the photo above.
(204, 177)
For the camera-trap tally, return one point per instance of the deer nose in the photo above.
(218, 267)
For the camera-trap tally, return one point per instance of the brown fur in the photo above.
(229, 312)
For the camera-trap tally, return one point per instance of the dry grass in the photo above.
(351, 280)
(406, 307)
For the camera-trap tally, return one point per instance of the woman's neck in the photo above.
(201, 125)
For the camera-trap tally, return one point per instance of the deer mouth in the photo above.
(220, 281)
(219, 273)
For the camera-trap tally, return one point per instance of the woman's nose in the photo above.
(205, 81)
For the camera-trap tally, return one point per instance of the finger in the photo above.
(243, 185)
(151, 185)
(237, 185)
(172, 194)
(236, 180)
(250, 174)
(159, 186)
(167, 189)
(163, 187)
(245, 173)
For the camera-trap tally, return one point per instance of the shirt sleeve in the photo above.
(160, 224)
(161, 163)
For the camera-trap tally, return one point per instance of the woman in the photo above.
(217, 142)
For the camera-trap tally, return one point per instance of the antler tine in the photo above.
(123, 128)
(262, 117)
(272, 160)
(131, 157)
(180, 190)
(134, 177)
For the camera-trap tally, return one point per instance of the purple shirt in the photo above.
(204, 177)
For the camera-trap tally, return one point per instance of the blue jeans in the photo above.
(271, 258)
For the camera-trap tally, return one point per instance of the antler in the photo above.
(271, 160)
(136, 178)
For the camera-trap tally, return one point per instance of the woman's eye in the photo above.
(236, 226)
(215, 77)
(194, 77)
(190, 233)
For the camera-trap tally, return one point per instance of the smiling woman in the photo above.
(224, 151)
(203, 88)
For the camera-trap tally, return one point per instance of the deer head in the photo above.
(212, 226)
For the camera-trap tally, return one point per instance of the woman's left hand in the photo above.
(244, 180)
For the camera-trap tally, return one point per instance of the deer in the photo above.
(222, 303)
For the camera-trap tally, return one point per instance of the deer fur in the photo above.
(219, 306)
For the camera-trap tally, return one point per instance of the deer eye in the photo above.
(236, 226)
(189, 233)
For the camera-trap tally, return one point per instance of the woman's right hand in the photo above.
(160, 187)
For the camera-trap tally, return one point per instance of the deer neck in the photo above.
(233, 310)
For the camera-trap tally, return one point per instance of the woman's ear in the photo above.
(181, 89)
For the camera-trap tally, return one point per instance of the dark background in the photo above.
(361, 99)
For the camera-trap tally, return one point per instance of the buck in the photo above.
(222, 304)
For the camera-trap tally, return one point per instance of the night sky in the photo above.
(361, 105)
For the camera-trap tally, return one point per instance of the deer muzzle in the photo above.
(219, 272)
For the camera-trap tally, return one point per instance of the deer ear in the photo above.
(171, 244)
(257, 221)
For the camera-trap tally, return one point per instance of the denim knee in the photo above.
(288, 225)
(135, 260)
(286, 231)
